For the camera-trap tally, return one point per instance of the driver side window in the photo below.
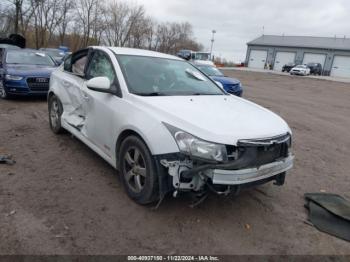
(100, 65)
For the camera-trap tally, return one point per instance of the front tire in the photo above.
(55, 113)
(138, 172)
(3, 93)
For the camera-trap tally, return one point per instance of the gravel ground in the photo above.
(61, 198)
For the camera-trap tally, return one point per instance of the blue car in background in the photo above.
(231, 85)
(25, 72)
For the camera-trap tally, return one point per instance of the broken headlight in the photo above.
(196, 147)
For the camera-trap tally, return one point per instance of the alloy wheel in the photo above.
(54, 113)
(134, 169)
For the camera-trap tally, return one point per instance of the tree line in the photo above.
(80, 23)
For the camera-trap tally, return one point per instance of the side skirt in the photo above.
(87, 142)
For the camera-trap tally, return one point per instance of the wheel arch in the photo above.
(122, 136)
(49, 95)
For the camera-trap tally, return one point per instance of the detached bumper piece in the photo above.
(329, 213)
(244, 176)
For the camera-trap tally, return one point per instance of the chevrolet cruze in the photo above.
(166, 126)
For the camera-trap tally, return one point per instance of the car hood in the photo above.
(221, 119)
(225, 80)
(29, 70)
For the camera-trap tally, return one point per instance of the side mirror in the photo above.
(99, 84)
(219, 84)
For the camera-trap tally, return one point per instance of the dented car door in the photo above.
(74, 79)
(99, 111)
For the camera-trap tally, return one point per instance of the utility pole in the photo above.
(212, 43)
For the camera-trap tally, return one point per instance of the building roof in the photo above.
(303, 41)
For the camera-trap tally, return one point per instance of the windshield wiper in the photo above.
(150, 94)
(195, 74)
(205, 94)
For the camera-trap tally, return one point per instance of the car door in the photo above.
(100, 117)
(72, 97)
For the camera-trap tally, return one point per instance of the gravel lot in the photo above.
(61, 198)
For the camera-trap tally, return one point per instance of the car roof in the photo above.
(136, 52)
(25, 50)
(47, 49)
(9, 46)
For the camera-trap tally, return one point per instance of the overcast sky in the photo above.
(239, 21)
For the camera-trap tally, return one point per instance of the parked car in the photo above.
(25, 72)
(165, 125)
(300, 70)
(184, 54)
(56, 54)
(288, 67)
(315, 68)
(203, 58)
(231, 85)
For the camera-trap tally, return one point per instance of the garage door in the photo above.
(257, 59)
(314, 58)
(283, 58)
(341, 66)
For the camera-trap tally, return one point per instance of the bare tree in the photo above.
(66, 8)
(87, 13)
(79, 23)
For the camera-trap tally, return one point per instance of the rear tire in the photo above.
(138, 172)
(55, 113)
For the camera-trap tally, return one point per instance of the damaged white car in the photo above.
(165, 125)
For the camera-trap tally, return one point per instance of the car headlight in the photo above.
(196, 147)
(12, 77)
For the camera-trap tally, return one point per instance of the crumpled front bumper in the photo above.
(245, 176)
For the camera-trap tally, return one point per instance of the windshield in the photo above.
(300, 66)
(151, 76)
(202, 56)
(28, 58)
(210, 70)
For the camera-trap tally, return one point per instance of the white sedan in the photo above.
(165, 125)
(300, 70)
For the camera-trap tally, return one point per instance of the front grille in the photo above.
(260, 151)
(38, 83)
